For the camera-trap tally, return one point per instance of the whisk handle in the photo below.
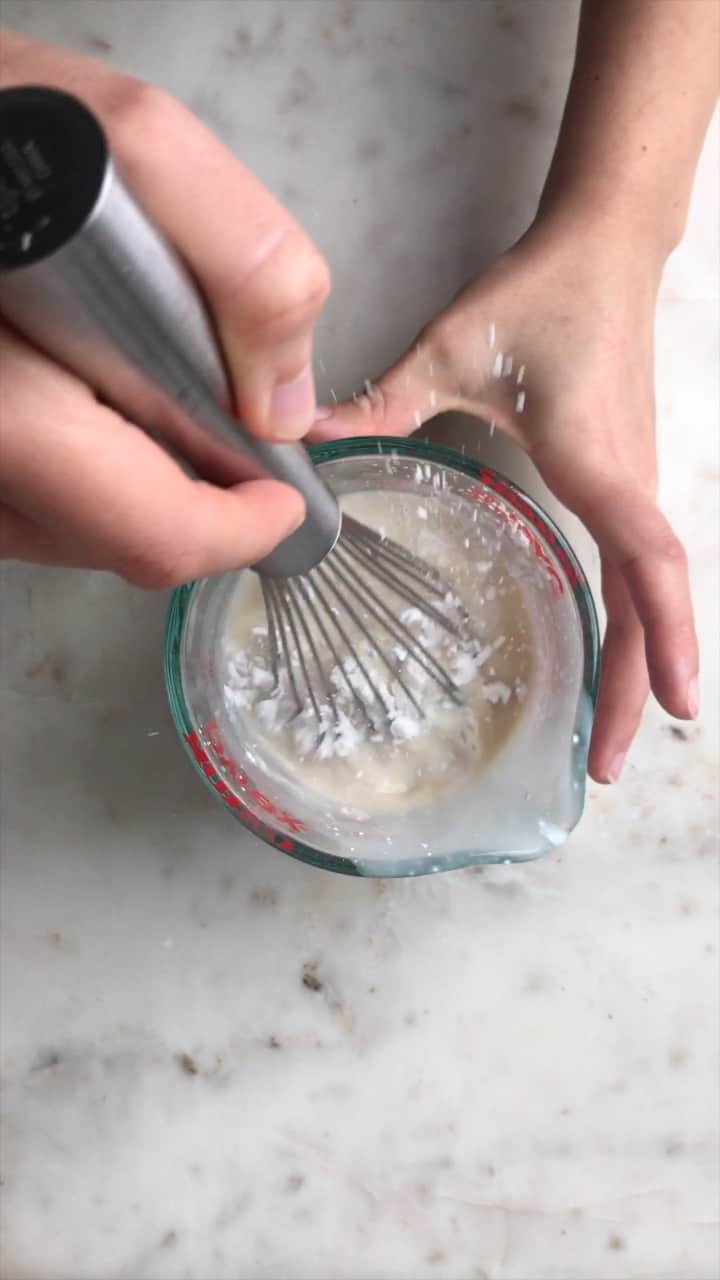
(88, 279)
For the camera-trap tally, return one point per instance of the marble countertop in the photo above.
(508, 1075)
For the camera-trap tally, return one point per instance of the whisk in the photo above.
(88, 278)
(336, 603)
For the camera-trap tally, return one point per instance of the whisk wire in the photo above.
(382, 548)
(339, 597)
(366, 558)
(365, 631)
(273, 641)
(296, 587)
(352, 653)
(399, 632)
(339, 662)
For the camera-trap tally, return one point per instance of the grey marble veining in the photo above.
(219, 1064)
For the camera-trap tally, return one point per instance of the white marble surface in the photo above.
(507, 1075)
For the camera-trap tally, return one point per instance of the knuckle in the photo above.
(670, 549)
(132, 104)
(282, 293)
(156, 569)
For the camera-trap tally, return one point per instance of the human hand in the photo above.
(576, 309)
(81, 486)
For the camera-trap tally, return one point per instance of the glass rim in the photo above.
(199, 747)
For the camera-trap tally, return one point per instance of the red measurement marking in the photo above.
(244, 783)
(480, 494)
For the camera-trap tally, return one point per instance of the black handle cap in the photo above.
(53, 159)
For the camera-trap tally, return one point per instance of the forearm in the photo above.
(642, 93)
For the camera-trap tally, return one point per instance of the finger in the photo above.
(262, 276)
(157, 529)
(439, 372)
(635, 537)
(624, 682)
(408, 394)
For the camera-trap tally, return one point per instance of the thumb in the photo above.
(407, 395)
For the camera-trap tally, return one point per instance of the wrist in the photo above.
(616, 233)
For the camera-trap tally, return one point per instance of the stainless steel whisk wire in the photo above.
(343, 586)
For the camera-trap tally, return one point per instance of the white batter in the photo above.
(416, 755)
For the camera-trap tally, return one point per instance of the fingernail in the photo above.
(322, 412)
(693, 698)
(616, 767)
(292, 406)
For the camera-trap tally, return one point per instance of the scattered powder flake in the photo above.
(422, 513)
(492, 429)
(520, 375)
(519, 535)
(405, 726)
(497, 365)
(333, 395)
(497, 691)
(369, 389)
(465, 668)
(487, 650)
(154, 733)
(520, 402)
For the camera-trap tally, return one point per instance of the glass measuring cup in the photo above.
(528, 797)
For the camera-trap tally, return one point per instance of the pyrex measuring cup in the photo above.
(529, 796)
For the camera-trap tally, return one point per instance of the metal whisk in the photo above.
(88, 278)
(336, 603)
